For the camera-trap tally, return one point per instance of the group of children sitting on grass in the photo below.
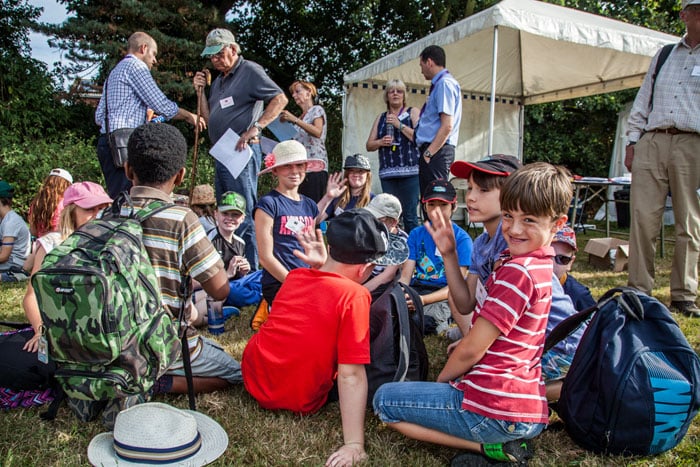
(497, 297)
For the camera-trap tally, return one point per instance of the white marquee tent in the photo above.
(544, 53)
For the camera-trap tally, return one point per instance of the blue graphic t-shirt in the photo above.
(430, 268)
(289, 217)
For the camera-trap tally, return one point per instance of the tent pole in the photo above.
(494, 70)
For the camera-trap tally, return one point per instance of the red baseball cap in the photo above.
(496, 164)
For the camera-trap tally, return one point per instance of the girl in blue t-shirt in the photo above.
(284, 212)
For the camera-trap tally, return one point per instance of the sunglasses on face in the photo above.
(563, 260)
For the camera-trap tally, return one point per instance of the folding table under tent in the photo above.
(544, 53)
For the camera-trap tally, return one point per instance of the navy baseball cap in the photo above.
(440, 189)
(357, 237)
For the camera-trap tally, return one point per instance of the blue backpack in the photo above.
(634, 383)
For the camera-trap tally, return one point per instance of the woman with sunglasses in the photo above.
(392, 136)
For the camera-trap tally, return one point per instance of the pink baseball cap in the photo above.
(86, 195)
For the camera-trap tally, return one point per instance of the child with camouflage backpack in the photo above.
(176, 248)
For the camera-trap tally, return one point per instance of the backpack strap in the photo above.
(123, 201)
(52, 411)
(399, 300)
(628, 300)
(186, 361)
(151, 209)
(665, 52)
(569, 325)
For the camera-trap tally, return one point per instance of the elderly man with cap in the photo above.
(663, 154)
(233, 103)
(128, 93)
(323, 337)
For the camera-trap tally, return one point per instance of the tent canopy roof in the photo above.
(545, 53)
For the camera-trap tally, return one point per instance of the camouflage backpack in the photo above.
(107, 329)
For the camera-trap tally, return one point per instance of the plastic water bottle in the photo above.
(215, 317)
(390, 131)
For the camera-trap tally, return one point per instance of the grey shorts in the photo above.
(211, 362)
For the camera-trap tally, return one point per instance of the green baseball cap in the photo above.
(217, 39)
(232, 201)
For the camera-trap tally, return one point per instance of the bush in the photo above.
(25, 165)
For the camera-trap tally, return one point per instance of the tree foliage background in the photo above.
(317, 40)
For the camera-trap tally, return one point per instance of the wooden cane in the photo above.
(200, 93)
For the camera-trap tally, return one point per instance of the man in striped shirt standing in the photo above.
(490, 397)
(663, 154)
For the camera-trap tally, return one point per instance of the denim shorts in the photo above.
(438, 406)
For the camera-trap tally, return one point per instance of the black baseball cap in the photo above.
(357, 237)
(501, 165)
(440, 189)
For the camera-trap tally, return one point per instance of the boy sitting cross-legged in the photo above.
(245, 286)
(179, 250)
(490, 397)
(486, 177)
(484, 181)
(425, 269)
(314, 346)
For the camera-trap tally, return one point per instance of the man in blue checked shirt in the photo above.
(131, 91)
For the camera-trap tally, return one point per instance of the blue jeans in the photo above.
(438, 406)
(407, 190)
(247, 185)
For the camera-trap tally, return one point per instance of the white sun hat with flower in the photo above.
(291, 152)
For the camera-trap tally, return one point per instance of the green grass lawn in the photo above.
(259, 437)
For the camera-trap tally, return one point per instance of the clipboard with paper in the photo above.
(225, 152)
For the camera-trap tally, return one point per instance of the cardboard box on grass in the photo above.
(608, 253)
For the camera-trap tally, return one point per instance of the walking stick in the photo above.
(200, 93)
